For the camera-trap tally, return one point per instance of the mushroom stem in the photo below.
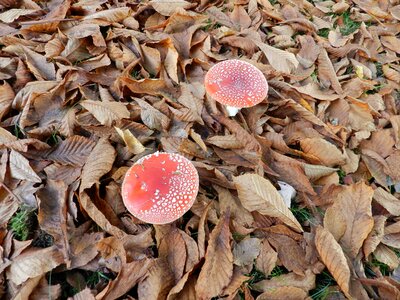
(232, 111)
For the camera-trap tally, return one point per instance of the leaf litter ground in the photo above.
(89, 87)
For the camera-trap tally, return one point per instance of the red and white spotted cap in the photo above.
(160, 188)
(236, 83)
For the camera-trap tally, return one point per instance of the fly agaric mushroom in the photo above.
(160, 188)
(236, 84)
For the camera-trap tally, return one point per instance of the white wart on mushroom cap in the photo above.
(160, 188)
(236, 83)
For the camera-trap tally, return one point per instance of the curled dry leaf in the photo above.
(388, 201)
(130, 274)
(52, 215)
(258, 194)
(99, 162)
(133, 144)
(217, 270)
(334, 259)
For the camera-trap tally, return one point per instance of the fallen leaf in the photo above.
(327, 153)
(333, 257)
(387, 200)
(168, 7)
(246, 251)
(34, 262)
(280, 60)
(217, 270)
(52, 215)
(99, 162)
(158, 282)
(133, 144)
(352, 209)
(267, 259)
(72, 151)
(20, 168)
(286, 292)
(258, 194)
(106, 112)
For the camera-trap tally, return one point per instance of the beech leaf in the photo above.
(217, 270)
(20, 168)
(106, 112)
(334, 259)
(258, 194)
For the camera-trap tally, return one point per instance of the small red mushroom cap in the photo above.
(160, 188)
(236, 83)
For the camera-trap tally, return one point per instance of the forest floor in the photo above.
(89, 87)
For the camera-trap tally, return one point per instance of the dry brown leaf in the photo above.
(99, 162)
(151, 117)
(306, 282)
(286, 292)
(391, 42)
(375, 236)
(327, 153)
(172, 247)
(225, 142)
(246, 251)
(72, 151)
(258, 194)
(388, 201)
(217, 270)
(327, 74)
(280, 60)
(130, 274)
(113, 15)
(228, 202)
(309, 51)
(290, 253)
(38, 65)
(52, 215)
(6, 97)
(98, 217)
(386, 255)
(267, 259)
(20, 168)
(34, 262)
(168, 7)
(106, 112)
(352, 210)
(10, 15)
(50, 22)
(334, 259)
(158, 282)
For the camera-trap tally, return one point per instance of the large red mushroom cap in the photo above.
(236, 83)
(160, 188)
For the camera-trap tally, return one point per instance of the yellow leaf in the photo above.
(133, 144)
